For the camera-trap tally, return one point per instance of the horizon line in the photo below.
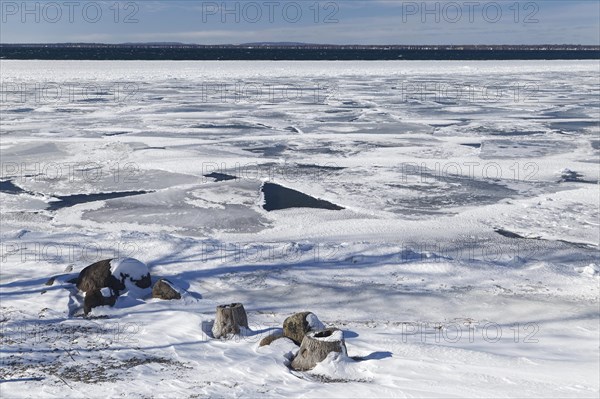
(294, 44)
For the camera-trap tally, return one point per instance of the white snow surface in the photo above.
(464, 264)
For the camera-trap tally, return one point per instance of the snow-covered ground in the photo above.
(465, 262)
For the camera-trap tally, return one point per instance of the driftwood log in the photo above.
(315, 347)
(229, 320)
(268, 340)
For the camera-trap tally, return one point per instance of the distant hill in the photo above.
(153, 44)
(281, 44)
(288, 45)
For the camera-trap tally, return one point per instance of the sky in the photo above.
(312, 21)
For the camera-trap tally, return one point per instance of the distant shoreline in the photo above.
(292, 52)
(425, 47)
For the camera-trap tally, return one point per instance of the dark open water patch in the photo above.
(109, 134)
(230, 126)
(271, 151)
(510, 234)
(570, 176)
(220, 177)
(21, 110)
(517, 133)
(278, 197)
(9, 187)
(324, 167)
(76, 199)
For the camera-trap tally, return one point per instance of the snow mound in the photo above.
(592, 270)
(338, 367)
(314, 322)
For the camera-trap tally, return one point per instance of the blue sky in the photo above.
(334, 22)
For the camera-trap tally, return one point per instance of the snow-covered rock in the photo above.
(131, 273)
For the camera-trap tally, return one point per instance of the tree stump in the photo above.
(297, 325)
(315, 347)
(229, 320)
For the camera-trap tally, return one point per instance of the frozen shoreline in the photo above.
(426, 178)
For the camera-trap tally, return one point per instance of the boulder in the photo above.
(103, 281)
(315, 347)
(164, 289)
(297, 325)
(99, 297)
(98, 275)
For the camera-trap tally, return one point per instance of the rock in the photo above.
(99, 297)
(98, 275)
(230, 319)
(104, 280)
(270, 339)
(117, 274)
(164, 289)
(315, 347)
(297, 325)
